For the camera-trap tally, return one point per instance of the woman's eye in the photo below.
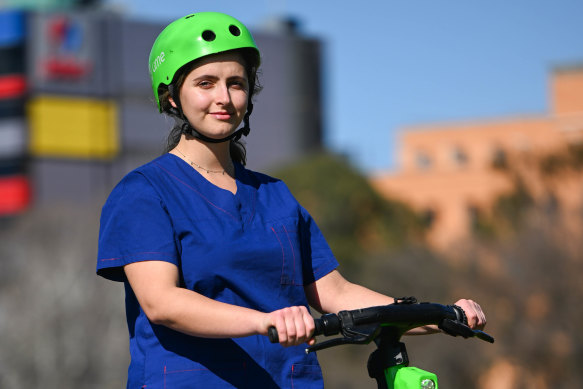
(205, 84)
(239, 84)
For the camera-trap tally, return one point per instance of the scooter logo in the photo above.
(67, 54)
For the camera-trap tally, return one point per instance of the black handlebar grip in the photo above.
(319, 330)
(274, 337)
(272, 334)
(328, 324)
(460, 314)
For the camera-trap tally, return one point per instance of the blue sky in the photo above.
(394, 63)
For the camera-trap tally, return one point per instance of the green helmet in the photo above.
(192, 37)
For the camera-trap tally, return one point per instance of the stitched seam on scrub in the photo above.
(134, 255)
(166, 372)
(284, 280)
(305, 372)
(253, 211)
(293, 256)
(282, 255)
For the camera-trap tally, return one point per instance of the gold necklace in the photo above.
(200, 167)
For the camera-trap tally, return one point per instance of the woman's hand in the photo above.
(474, 313)
(294, 325)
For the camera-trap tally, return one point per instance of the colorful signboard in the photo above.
(68, 127)
(68, 53)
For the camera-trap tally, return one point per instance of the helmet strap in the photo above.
(188, 129)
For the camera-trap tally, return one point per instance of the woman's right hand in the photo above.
(294, 325)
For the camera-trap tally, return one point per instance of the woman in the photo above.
(212, 254)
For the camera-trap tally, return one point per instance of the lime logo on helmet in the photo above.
(157, 62)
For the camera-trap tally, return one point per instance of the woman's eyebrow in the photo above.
(240, 78)
(205, 76)
(214, 77)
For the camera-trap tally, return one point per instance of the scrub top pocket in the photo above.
(305, 376)
(285, 232)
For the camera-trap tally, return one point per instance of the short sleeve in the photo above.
(316, 253)
(135, 226)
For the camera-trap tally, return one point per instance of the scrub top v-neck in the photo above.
(256, 248)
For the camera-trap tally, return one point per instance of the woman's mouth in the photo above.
(221, 115)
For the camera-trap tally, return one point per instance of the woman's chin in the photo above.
(218, 135)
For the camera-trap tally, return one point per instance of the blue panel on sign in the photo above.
(11, 27)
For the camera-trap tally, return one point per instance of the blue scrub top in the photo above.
(256, 248)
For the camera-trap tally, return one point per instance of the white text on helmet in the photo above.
(157, 62)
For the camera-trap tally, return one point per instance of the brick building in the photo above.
(451, 172)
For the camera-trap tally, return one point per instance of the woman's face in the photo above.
(214, 94)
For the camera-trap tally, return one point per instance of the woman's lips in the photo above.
(221, 115)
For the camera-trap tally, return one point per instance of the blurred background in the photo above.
(439, 146)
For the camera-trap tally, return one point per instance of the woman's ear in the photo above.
(172, 102)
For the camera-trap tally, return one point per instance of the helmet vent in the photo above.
(208, 35)
(234, 30)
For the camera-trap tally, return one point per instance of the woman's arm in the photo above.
(333, 293)
(156, 286)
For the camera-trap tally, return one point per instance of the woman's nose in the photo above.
(223, 95)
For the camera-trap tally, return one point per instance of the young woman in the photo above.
(213, 254)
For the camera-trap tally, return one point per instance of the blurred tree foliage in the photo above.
(529, 286)
(355, 219)
(524, 266)
(508, 213)
(511, 210)
(556, 163)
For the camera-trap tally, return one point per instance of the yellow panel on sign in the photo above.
(73, 127)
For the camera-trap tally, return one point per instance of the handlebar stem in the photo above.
(385, 359)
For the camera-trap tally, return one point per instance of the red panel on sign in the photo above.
(12, 86)
(15, 194)
(66, 68)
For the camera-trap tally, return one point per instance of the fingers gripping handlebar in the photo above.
(326, 325)
(361, 326)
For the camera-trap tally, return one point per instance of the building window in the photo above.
(499, 158)
(459, 156)
(422, 161)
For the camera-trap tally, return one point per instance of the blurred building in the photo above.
(15, 190)
(77, 110)
(453, 173)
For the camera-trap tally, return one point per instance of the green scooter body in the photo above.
(405, 377)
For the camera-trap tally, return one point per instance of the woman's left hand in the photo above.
(474, 313)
